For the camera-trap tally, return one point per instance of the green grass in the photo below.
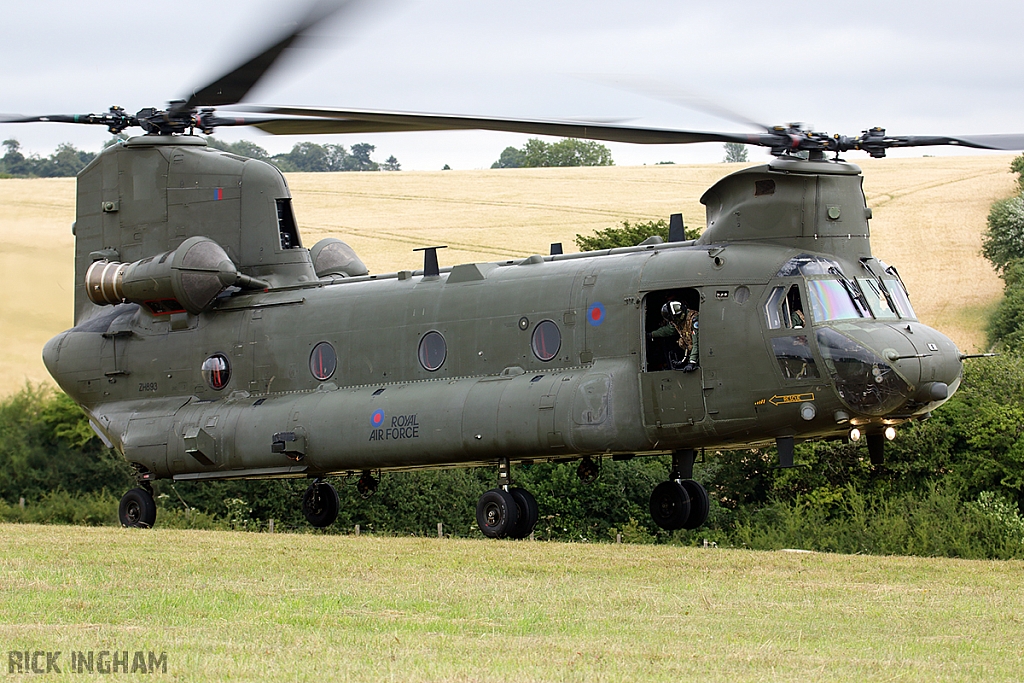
(284, 607)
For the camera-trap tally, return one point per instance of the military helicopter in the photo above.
(210, 343)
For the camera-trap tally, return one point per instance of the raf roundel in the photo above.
(595, 314)
(377, 417)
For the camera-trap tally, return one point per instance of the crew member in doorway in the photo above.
(681, 323)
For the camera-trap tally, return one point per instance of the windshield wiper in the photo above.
(892, 271)
(881, 284)
(859, 300)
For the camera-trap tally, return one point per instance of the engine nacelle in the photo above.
(188, 278)
(331, 256)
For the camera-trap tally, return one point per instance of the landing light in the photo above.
(890, 433)
(854, 434)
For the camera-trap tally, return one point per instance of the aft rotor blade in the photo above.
(115, 120)
(363, 121)
(235, 85)
(51, 118)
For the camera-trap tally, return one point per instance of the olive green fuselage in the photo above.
(497, 387)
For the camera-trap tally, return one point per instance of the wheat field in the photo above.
(929, 215)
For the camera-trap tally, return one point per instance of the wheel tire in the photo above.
(320, 504)
(137, 509)
(526, 507)
(497, 513)
(700, 504)
(670, 505)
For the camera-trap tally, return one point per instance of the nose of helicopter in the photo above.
(938, 363)
(882, 369)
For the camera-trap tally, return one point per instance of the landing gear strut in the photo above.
(506, 512)
(680, 502)
(320, 504)
(137, 508)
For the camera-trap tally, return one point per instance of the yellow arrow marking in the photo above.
(792, 398)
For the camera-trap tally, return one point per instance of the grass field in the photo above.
(929, 214)
(261, 607)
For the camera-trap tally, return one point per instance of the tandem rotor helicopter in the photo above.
(210, 343)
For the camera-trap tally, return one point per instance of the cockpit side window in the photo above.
(794, 357)
(785, 312)
(785, 308)
(774, 307)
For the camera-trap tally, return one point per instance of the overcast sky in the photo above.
(912, 67)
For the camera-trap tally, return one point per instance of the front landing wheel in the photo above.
(320, 504)
(137, 509)
(526, 506)
(700, 505)
(670, 505)
(497, 513)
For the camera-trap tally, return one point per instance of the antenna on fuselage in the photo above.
(676, 231)
(430, 267)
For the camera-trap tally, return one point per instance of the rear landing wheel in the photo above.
(497, 513)
(137, 509)
(320, 504)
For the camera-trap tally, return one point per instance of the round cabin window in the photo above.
(323, 361)
(217, 371)
(546, 340)
(433, 351)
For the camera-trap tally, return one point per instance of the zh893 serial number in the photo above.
(147, 386)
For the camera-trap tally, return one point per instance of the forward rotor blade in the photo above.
(1009, 142)
(235, 85)
(363, 121)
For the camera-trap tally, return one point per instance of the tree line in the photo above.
(536, 153)
(68, 160)
(309, 157)
(952, 485)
